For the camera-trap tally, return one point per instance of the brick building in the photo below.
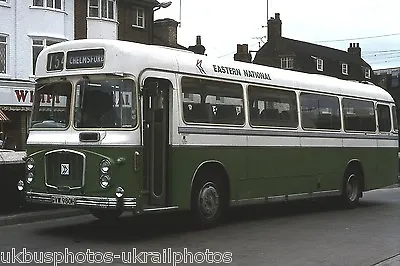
(307, 57)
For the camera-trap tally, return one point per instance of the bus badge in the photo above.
(200, 67)
(64, 169)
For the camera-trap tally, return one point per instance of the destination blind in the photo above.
(85, 59)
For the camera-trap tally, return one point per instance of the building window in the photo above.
(345, 69)
(38, 2)
(138, 17)
(287, 62)
(107, 8)
(320, 64)
(395, 82)
(93, 8)
(367, 73)
(37, 46)
(3, 54)
(54, 4)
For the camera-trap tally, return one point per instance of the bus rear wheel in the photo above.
(351, 191)
(207, 203)
(106, 215)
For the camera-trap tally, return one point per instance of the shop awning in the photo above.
(3, 117)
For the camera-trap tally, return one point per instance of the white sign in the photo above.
(16, 97)
(24, 97)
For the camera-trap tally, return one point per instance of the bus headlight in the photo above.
(119, 192)
(29, 177)
(30, 164)
(105, 181)
(20, 185)
(105, 166)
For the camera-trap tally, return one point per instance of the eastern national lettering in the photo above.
(238, 72)
(227, 70)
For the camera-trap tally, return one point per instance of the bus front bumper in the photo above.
(81, 201)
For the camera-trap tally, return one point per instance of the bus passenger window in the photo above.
(213, 102)
(359, 115)
(384, 118)
(394, 119)
(272, 107)
(320, 111)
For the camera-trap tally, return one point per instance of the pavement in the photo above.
(30, 216)
(392, 261)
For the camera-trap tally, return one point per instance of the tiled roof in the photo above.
(300, 47)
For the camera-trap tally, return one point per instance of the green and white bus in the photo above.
(120, 126)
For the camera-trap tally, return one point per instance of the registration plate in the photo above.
(63, 200)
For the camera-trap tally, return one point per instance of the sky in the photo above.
(222, 24)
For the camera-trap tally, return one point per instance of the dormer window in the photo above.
(320, 64)
(345, 69)
(287, 62)
(367, 73)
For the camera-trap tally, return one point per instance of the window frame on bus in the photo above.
(41, 84)
(213, 123)
(337, 97)
(135, 93)
(288, 91)
(378, 117)
(345, 98)
(393, 115)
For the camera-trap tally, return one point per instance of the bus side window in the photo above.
(272, 107)
(384, 118)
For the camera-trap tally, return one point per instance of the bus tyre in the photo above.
(207, 203)
(106, 215)
(351, 189)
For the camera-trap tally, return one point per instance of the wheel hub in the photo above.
(208, 200)
(352, 188)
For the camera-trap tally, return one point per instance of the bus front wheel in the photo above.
(106, 215)
(351, 191)
(207, 202)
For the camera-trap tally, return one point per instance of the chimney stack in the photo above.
(354, 49)
(198, 48)
(242, 54)
(165, 31)
(275, 28)
(198, 40)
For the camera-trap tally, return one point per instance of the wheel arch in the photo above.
(213, 166)
(356, 165)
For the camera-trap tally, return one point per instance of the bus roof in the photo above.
(130, 57)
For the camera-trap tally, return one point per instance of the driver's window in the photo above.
(105, 104)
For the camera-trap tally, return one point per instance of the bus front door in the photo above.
(156, 138)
